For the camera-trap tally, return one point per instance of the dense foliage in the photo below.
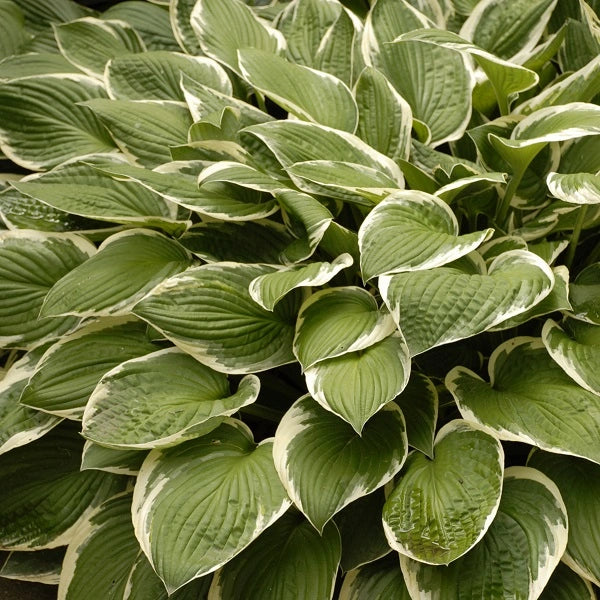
(301, 300)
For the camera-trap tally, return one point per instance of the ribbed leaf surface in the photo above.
(565, 584)
(376, 581)
(42, 566)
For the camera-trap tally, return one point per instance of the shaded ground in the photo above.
(21, 590)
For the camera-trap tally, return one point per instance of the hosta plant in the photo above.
(300, 299)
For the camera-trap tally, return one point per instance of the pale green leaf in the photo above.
(356, 385)
(410, 231)
(38, 14)
(450, 303)
(468, 186)
(34, 64)
(12, 31)
(89, 43)
(325, 465)
(180, 12)
(157, 75)
(126, 267)
(336, 321)
(242, 175)
(138, 404)
(225, 26)
(578, 481)
(45, 496)
(57, 127)
(290, 561)
(70, 369)
(234, 491)
(268, 289)
(541, 405)
(208, 312)
(441, 507)
(119, 462)
(43, 566)
(517, 555)
(575, 188)
(31, 262)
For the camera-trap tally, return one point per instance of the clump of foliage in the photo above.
(301, 299)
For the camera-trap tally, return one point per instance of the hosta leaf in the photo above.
(585, 293)
(20, 425)
(336, 321)
(242, 175)
(289, 560)
(208, 312)
(419, 404)
(199, 504)
(144, 130)
(12, 31)
(249, 241)
(120, 462)
(468, 185)
(325, 465)
(45, 495)
(139, 405)
(58, 127)
(508, 31)
(515, 281)
(180, 12)
(268, 289)
(576, 351)
(541, 406)
(39, 14)
(182, 189)
(516, 556)
(126, 267)
(34, 64)
(442, 507)
(356, 385)
(376, 581)
(578, 481)
(304, 92)
(385, 118)
(565, 584)
(30, 264)
(225, 26)
(410, 231)
(157, 75)
(89, 43)
(575, 188)
(70, 369)
(78, 189)
(43, 566)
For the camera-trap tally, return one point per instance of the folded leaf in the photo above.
(43, 566)
(120, 462)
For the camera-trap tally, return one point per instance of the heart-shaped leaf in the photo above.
(540, 405)
(208, 312)
(409, 231)
(158, 411)
(234, 491)
(441, 508)
(450, 303)
(325, 465)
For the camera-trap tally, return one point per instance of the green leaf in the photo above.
(541, 406)
(576, 350)
(126, 267)
(410, 231)
(578, 483)
(39, 14)
(89, 43)
(180, 12)
(58, 128)
(325, 465)
(442, 507)
(70, 369)
(454, 302)
(225, 26)
(21, 66)
(289, 560)
(385, 118)
(31, 262)
(575, 188)
(45, 496)
(208, 312)
(20, 425)
(584, 292)
(336, 321)
(157, 75)
(268, 289)
(12, 31)
(138, 405)
(120, 462)
(508, 31)
(306, 93)
(43, 566)
(376, 581)
(235, 495)
(419, 404)
(143, 130)
(565, 584)
(516, 556)
(356, 385)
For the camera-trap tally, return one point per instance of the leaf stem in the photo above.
(509, 192)
(576, 234)
(260, 100)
